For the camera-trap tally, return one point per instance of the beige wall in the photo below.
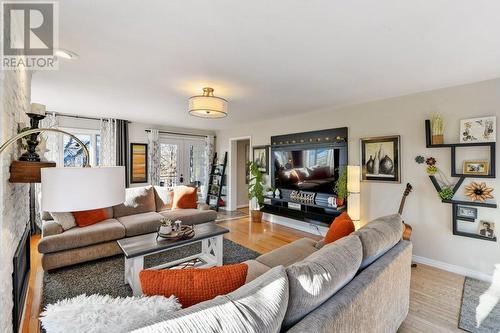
(241, 186)
(431, 219)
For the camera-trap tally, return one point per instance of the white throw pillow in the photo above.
(65, 220)
(105, 314)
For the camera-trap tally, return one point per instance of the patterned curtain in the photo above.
(107, 151)
(154, 157)
(209, 156)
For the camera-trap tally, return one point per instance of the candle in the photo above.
(37, 108)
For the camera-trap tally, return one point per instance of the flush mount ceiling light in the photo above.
(208, 105)
(62, 53)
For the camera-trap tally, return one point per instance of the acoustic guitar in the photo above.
(407, 231)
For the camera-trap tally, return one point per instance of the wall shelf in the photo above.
(462, 177)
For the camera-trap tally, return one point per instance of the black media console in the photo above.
(304, 155)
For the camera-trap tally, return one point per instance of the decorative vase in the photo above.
(376, 163)
(277, 193)
(369, 165)
(165, 230)
(437, 139)
(256, 216)
(386, 166)
(340, 201)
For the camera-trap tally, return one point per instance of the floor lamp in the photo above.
(77, 188)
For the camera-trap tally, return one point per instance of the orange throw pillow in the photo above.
(185, 197)
(85, 218)
(193, 285)
(342, 226)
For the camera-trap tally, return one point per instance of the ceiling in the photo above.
(141, 60)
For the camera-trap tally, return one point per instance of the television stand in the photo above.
(317, 214)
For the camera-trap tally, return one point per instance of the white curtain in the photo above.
(48, 149)
(154, 157)
(209, 156)
(107, 152)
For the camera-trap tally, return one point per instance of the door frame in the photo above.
(231, 204)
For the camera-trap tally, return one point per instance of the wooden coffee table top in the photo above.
(148, 244)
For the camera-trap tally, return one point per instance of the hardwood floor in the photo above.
(434, 296)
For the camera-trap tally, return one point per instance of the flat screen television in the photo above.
(312, 169)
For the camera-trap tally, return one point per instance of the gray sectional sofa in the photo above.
(360, 283)
(139, 214)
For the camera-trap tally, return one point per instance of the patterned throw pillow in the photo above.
(192, 286)
(65, 220)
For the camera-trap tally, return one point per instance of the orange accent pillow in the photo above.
(85, 218)
(342, 226)
(185, 197)
(193, 285)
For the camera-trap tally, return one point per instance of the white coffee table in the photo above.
(136, 248)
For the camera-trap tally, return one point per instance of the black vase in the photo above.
(386, 166)
(369, 165)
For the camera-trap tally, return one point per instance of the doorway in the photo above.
(240, 153)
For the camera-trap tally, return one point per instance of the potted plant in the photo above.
(256, 192)
(437, 128)
(341, 186)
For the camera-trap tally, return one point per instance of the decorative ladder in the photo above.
(216, 182)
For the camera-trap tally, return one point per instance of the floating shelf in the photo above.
(462, 177)
(471, 203)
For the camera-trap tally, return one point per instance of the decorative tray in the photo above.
(186, 232)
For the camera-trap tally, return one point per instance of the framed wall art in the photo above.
(261, 158)
(478, 130)
(380, 159)
(138, 163)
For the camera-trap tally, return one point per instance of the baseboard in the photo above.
(453, 268)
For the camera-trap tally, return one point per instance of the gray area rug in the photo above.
(473, 289)
(105, 276)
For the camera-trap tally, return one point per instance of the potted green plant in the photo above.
(256, 192)
(341, 186)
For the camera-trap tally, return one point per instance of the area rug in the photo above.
(480, 293)
(105, 276)
(223, 215)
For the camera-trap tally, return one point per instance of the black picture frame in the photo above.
(389, 165)
(472, 210)
(258, 152)
(138, 163)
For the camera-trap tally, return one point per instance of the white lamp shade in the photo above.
(354, 206)
(77, 189)
(353, 178)
(208, 106)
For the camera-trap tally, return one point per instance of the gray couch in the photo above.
(360, 283)
(139, 214)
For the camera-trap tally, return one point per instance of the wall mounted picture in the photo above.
(487, 229)
(261, 158)
(466, 212)
(476, 167)
(380, 159)
(478, 130)
(138, 163)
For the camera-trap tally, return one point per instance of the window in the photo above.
(70, 152)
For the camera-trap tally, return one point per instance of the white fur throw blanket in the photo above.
(99, 314)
